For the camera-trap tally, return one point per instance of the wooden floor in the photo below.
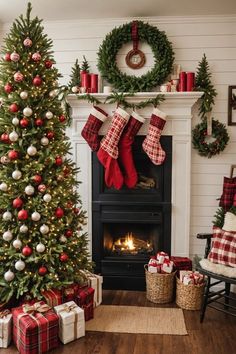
(217, 334)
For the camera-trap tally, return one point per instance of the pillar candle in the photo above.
(190, 81)
(94, 83)
(182, 81)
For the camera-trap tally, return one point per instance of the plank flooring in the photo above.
(216, 335)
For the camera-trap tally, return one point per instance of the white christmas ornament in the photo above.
(23, 229)
(7, 216)
(27, 111)
(75, 89)
(29, 190)
(24, 95)
(35, 216)
(63, 238)
(13, 136)
(36, 56)
(44, 229)
(49, 115)
(3, 187)
(15, 121)
(9, 275)
(7, 236)
(16, 174)
(17, 244)
(53, 93)
(44, 141)
(47, 198)
(31, 151)
(40, 248)
(20, 265)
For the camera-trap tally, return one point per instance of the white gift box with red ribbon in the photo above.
(189, 277)
(161, 257)
(167, 266)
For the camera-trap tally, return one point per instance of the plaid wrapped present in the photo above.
(35, 328)
(53, 297)
(88, 311)
(85, 300)
(181, 263)
(5, 328)
(69, 293)
(72, 324)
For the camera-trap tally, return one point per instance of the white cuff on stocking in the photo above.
(159, 113)
(137, 117)
(99, 115)
(121, 112)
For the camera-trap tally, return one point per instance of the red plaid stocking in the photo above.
(125, 149)
(228, 195)
(108, 150)
(151, 144)
(90, 131)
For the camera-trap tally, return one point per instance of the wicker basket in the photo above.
(189, 297)
(159, 287)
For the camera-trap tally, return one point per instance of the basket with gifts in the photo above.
(189, 290)
(160, 279)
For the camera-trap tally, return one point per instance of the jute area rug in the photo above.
(134, 319)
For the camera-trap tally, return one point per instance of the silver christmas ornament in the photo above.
(7, 216)
(9, 275)
(63, 239)
(24, 229)
(16, 174)
(15, 121)
(35, 216)
(49, 115)
(44, 141)
(3, 187)
(47, 198)
(31, 151)
(40, 248)
(15, 57)
(13, 136)
(17, 244)
(20, 265)
(27, 111)
(44, 229)
(24, 95)
(29, 190)
(7, 236)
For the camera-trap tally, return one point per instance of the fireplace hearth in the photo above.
(130, 225)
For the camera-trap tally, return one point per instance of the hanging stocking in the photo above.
(151, 144)
(90, 131)
(229, 191)
(125, 149)
(108, 151)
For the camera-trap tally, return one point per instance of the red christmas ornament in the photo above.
(42, 270)
(69, 204)
(50, 135)
(39, 122)
(37, 179)
(58, 161)
(42, 188)
(17, 203)
(36, 56)
(23, 214)
(37, 81)
(48, 64)
(66, 171)
(59, 212)
(13, 108)
(62, 118)
(18, 76)
(27, 251)
(76, 210)
(68, 233)
(64, 257)
(7, 56)
(5, 138)
(8, 88)
(13, 154)
(24, 122)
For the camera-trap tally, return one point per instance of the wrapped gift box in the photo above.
(53, 297)
(88, 311)
(85, 296)
(69, 293)
(167, 266)
(72, 323)
(161, 256)
(95, 281)
(5, 328)
(181, 263)
(35, 328)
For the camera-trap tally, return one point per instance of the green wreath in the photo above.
(162, 50)
(210, 149)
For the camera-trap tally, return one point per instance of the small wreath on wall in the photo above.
(209, 149)
(161, 48)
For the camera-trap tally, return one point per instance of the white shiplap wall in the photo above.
(191, 37)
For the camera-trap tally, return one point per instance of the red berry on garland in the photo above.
(68, 233)
(5, 138)
(50, 135)
(13, 108)
(64, 257)
(48, 64)
(37, 179)
(39, 122)
(58, 161)
(37, 81)
(23, 214)
(7, 56)
(42, 270)
(27, 251)
(62, 118)
(8, 88)
(13, 154)
(17, 203)
(24, 123)
(59, 212)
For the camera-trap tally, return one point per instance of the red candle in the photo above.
(85, 80)
(182, 81)
(190, 81)
(94, 83)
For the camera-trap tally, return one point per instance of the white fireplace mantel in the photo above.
(178, 106)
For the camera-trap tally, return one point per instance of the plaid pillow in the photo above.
(223, 249)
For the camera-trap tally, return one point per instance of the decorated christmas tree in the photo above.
(42, 245)
(74, 83)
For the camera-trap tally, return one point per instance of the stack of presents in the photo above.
(37, 326)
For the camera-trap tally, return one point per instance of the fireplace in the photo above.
(130, 225)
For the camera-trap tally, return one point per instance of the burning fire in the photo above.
(131, 244)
